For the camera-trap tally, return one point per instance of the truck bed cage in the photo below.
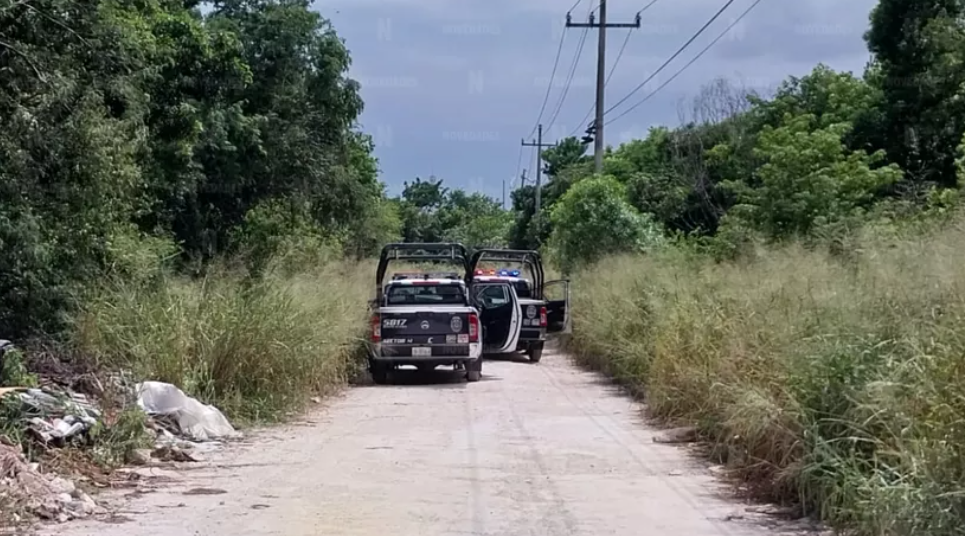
(526, 257)
(421, 252)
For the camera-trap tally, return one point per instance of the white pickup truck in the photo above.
(424, 320)
(517, 313)
(432, 319)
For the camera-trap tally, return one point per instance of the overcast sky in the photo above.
(451, 86)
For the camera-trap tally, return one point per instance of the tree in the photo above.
(475, 220)
(419, 203)
(917, 46)
(128, 126)
(809, 178)
(594, 219)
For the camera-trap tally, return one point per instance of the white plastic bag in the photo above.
(197, 421)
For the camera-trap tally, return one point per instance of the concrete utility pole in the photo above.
(539, 168)
(600, 73)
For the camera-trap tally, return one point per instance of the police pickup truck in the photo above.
(517, 313)
(424, 319)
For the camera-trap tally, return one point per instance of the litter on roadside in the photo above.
(46, 496)
(55, 416)
(192, 419)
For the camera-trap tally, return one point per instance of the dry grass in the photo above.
(256, 349)
(837, 383)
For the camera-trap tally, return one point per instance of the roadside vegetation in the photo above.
(804, 309)
(832, 381)
(186, 195)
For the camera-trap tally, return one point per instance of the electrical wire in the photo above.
(573, 66)
(691, 62)
(679, 51)
(519, 164)
(549, 85)
(569, 80)
(613, 69)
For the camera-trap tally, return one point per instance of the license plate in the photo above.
(422, 352)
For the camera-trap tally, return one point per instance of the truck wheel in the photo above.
(380, 373)
(535, 352)
(474, 371)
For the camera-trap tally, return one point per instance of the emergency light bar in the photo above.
(504, 272)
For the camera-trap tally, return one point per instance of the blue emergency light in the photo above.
(505, 272)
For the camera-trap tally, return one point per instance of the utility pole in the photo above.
(504, 194)
(602, 25)
(539, 168)
(522, 179)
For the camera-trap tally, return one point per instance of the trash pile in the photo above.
(49, 497)
(54, 417)
(185, 428)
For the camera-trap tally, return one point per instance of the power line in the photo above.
(573, 66)
(569, 80)
(613, 69)
(692, 61)
(519, 165)
(538, 145)
(679, 51)
(549, 85)
(602, 26)
(556, 63)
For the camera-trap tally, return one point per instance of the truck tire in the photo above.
(474, 371)
(535, 352)
(380, 373)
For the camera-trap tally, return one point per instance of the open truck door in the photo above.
(499, 314)
(557, 296)
(533, 310)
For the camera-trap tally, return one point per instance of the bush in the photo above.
(256, 348)
(837, 384)
(594, 219)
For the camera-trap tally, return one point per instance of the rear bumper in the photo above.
(532, 334)
(403, 353)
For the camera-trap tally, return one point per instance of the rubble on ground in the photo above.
(55, 415)
(46, 496)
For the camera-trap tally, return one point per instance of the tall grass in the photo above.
(256, 348)
(838, 383)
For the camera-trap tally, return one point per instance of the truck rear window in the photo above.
(522, 289)
(425, 294)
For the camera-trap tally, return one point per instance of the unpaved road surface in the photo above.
(531, 450)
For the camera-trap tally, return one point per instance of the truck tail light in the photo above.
(542, 317)
(376, 328)
(473, 328)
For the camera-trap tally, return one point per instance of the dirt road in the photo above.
(530, 450)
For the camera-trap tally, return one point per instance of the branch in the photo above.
(26, 58)
(14, 5)
(55, 21)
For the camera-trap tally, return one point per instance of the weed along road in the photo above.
(531, 449)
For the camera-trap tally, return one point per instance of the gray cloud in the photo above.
(452, 85)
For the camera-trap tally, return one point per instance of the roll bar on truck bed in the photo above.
(527, 258)
(421, 252)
